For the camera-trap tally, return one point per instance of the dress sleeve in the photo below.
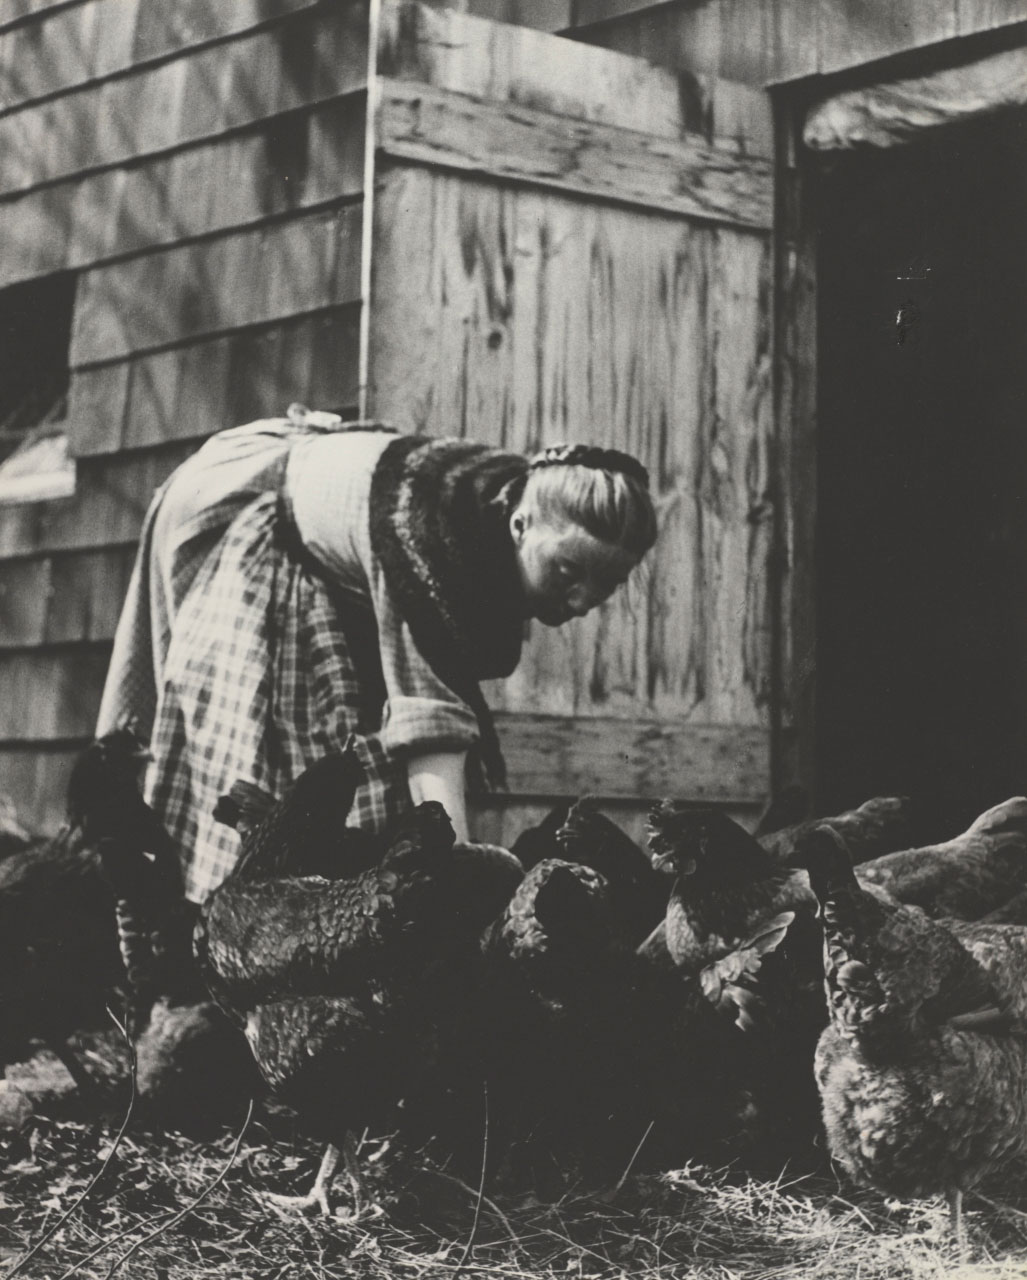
(422, 713)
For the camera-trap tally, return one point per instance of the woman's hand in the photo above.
(441, 777)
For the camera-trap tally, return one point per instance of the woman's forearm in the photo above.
(440, 776)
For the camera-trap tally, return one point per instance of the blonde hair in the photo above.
(608, 497)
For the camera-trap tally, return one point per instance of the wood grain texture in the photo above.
(450, 49)
(208, 287)
(765, 42)
(64, 598)
(687, 176)
(796, 377)
(530, 318)
(857, 31)
(637, 759)
(285, 165)
(318, 55)
(51, 694)
(107, 508)
(16, 12)
(576, 80)
(191, 391)
(984, 15)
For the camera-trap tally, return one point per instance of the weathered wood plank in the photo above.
(35, 777)
(24, 598)
(530, 318)
(320, 54)
(287, 164)
(450, 49)
(87, 590)
(857, 31)
(190, 391)
(669, 35)
(796, 466)
(557, 755)
(236, 280)
(50, 694)
(686, 176)
(737, 508)
(984, 15)
(16, 12)
(107, 508)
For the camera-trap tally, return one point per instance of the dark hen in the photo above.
(305, 832)
(727, 889)
(967, 877)
(59, 955)
(591, 839)
(551, 1016)
(922, 1070)
(725, 884)
(341, 985)
(534, 844)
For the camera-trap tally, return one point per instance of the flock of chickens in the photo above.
(574, 998)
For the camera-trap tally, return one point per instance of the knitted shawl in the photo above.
(440, 529)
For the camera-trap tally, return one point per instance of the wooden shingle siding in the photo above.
(64, 598)
(205, 288)
(191, 391)
(68, 46)
(283, 165)
(51, 694)
(319, 54)
(107, 508)
(17, 12)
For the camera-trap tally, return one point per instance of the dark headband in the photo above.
(590, 455)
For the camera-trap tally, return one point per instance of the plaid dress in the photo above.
(245, 661)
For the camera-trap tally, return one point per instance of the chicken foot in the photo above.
(320, 1193)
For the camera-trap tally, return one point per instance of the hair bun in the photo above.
(590, 455)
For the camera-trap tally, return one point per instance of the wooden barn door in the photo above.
(571, 244)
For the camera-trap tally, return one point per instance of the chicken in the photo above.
(341, 985)
(922, 1070)
(727, 889)
(592, 1045)
(304, 833)
(539, 842)
(976, 873)
(59, 955)
(726, 883)
(590, 839)
(878, 826)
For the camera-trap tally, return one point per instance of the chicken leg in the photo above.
(320, 1193)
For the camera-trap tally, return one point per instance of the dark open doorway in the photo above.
(922, 418)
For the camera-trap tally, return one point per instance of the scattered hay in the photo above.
(690, 1224)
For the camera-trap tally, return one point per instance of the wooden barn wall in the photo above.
(200, 167)
(552, 301)
(762, 42)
